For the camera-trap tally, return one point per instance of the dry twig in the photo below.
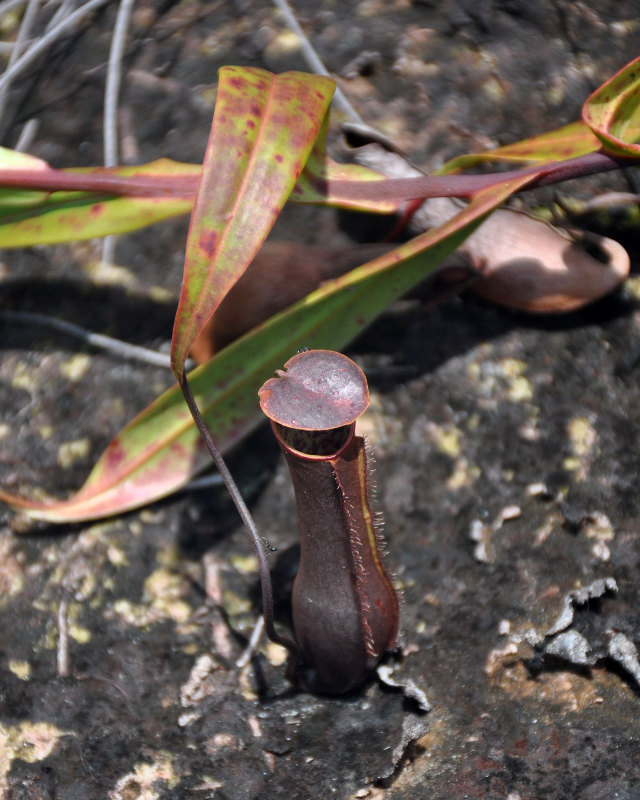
(99, 340)
(111, 97)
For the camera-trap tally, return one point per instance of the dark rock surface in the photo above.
(506, 455)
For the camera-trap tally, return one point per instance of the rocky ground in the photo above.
(506, 454)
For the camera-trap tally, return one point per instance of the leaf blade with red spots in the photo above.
(613, 112)
(263, 130)
(56, 209)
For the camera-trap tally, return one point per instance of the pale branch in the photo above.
(97, 340)
(111, 99)
(45, 41)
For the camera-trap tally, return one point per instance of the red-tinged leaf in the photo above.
(613, 112)
(321, 175)
(156, 453)
(263, 130)
(570, 141)
(161, 449)
(151, 192)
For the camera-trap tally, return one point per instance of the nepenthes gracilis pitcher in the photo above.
(345, 609)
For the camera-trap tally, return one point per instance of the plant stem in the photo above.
(103, 182)
(400, 189)
(467, 186)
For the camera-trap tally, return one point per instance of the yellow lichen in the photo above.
(518, 387)
(234, 604)
(144, 782)
(520, 390)
(24, 378)
(599, 526)
(28, 741)
(582, 436)
(247, 565)
(70, 452)
(503, 377)
(80, 634)
(162, 599)
(134, 614)
(632, 285)
(493, 89)
(463, 474)
(246, 684)
(165, 589)
(160, 294)
(117, 556)
(583, 439)
(21, 669)
(276, 654)
(76, 367)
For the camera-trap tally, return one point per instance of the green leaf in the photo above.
(613, 112)
(27, 217)
(570, 141)
(263, 130)
(161, 449)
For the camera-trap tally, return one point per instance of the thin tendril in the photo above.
(245, 514)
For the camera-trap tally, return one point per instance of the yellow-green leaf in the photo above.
(613, 112)
(157, 191)
(570, 141)
(264, 127)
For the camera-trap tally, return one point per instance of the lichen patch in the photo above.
(76, 367)
(70, 452)
(28, 741)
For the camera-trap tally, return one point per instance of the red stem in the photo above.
(104, 182)
(469, 185)
(54, 180)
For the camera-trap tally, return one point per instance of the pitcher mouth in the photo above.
(319, 445)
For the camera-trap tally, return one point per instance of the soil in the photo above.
(506, 453)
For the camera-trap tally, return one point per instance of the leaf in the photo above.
(12, 159)
(322, 174)
(160, 450)
(570, 141)
(164, 189)
(264, 127)
(613, 112)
